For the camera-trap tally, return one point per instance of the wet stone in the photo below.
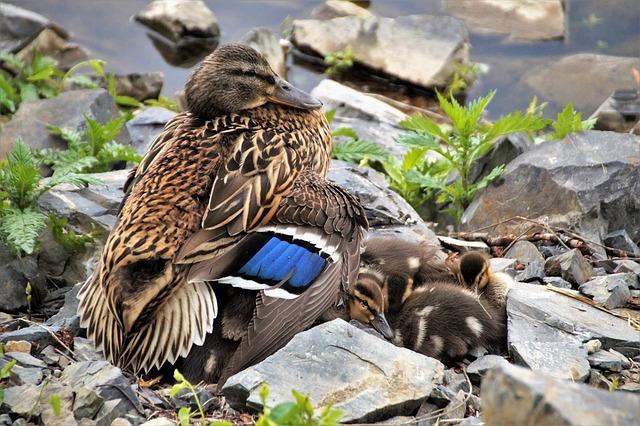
(571, 266)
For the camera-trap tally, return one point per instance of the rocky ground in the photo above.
(563, 219)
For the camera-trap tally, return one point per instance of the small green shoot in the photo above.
(54, 401)
(463, 77)
(339, 62)
(5, 373)
(300, 412)
(615, 382)
(568, 121)
(184, 413)
(27, 291)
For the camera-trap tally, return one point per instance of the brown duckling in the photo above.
(399, 266)
(474, 272)
(440, 320)
(367, 304)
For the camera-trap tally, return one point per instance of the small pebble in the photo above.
(593, 346)
(17, 346)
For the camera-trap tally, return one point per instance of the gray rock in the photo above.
(534, 272)
(525, 252)
(463, 246)
(477, 369)
(18, 27)
(420, 49)
(34, 334)
(611, 291)
(598, 272)
(386, 211)
(338, 8)
(557, 282)
(95, 205)
(372, 119)
(627, 266)
(501, 264)
(85, 350)
(336, 363)
(185, 398)
(548, 251)
(599, 380)
(144, 127)
(519, 19)
(180, 19)
(621, 240)
(609, 360)
(22, 375)
(67, 317)
(65, 110)
(471, 421)
(546, 331)
(571, 266)
(25, 359)
(267, 42)
(86, 404)
(14, 274)
(32, 401)
(109, 382)
(578, 182)
(619, 115)
(560, 82)
(5, 420)
(159, 421)
(51, 43)
(513, 395)
(141, 86)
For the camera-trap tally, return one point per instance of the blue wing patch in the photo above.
(277, 259)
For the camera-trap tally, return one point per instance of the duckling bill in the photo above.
(229, 235)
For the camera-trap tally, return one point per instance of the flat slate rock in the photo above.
(513, 395)
(525, 252)
(420, 49)
(610, 291)
(547, 331)
(336, 363)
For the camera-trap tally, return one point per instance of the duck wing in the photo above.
(330, 218)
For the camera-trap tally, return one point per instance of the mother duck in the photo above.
(228, 230)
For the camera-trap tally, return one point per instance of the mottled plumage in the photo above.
(225, 192)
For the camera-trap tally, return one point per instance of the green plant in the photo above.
(460, 145)
(354, 149)
(5, 373)
(339, 62)
(298, 413)
(95, 150)
(38, 78)
(27, 291)
(59, 227)
(463, 76)
(164, 102)
(568, 121)
(21, 221)
(185, 414)
(54, 401)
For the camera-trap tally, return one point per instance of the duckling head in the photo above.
(236, 77)
(367, 305)
(474, 270)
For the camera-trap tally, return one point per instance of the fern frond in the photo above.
(21, 175)
(21, 229)
(357, 149)
(113, 152)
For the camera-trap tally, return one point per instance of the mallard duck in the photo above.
(474, 272)
(399, 266)
(439, 319)
(228, 211)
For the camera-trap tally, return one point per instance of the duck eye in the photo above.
(250, 73)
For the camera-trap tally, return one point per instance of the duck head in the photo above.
(236, 77)
(474, 271)
(367, 305)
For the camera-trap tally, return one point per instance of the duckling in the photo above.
(400, 266)
(440, 319)
(474, 272)
(229, 235)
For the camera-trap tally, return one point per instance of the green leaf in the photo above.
(5, 372)
(12, 60)
(96, 64)
(413, 158)
(66, 238)
(83, 81)
(28, 92)
(419, 139)
(221, 423)
(21, 229)
(264, 393)
(127, 101)
(114, 152)
(285, 413)
(55, 404)
(345, 131)
(420, 123)
(330, 114)
(184, 416)
(514, 123)
(356, 150)
(568, 121)
(43, 74)
(21, 176)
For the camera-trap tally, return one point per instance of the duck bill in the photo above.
(286, 94)
(382, 326)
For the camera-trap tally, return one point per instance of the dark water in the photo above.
(106, 28)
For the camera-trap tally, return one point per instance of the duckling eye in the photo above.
(364, 304)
